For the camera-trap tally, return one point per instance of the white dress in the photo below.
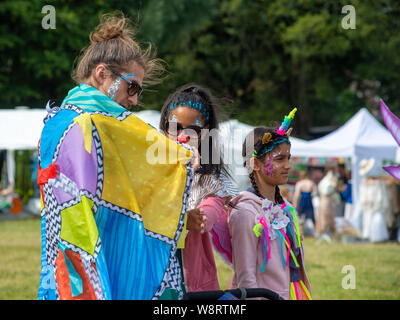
(374, 202)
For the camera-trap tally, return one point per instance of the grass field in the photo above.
(377, 266)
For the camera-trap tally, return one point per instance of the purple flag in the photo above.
(393, 124)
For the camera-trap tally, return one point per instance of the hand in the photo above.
(196, 220)
(195, 163)
(227, 203)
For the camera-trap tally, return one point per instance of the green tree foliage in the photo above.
(267, 56)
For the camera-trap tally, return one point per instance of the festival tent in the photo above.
(359, 138)
(20, 128)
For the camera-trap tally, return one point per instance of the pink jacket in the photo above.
(198, 259)
(247, 254)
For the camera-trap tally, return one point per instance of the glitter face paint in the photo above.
(112, 90)
(269, 168)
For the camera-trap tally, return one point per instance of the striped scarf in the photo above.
(91, 99)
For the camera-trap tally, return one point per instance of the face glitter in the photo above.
(269, 167)
(112, 90)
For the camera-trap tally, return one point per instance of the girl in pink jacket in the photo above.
(267, 250)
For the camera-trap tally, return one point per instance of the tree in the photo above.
(267, 56)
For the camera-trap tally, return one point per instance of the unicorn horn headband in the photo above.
(284, 128)
(269, 143)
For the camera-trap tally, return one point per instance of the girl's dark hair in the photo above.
(252, 141)
(192, 92)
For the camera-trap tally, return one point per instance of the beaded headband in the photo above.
(188, 98)
(191, 103)
(283, 133)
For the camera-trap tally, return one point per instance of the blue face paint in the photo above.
(197, 122)
(173, 118)
(113, 89)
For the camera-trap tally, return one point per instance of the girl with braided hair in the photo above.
(267, 249)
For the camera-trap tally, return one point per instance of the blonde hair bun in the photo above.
(110, 27)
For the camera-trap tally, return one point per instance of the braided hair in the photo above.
(247, 152)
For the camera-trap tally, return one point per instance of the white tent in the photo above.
(20, 128)
(360, 137)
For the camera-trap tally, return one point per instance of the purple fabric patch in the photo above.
(77, 164)
(62, 196)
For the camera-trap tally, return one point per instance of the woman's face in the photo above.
(117, 88)
(191, 120)
(274, 168)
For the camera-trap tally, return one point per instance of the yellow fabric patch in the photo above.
(78, 225)
(182, 238)
(85, 123)
(144, 171)
(41, 203)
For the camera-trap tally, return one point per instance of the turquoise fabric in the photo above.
(130, 255)
(91, 99)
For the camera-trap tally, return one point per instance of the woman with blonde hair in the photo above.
(111, 219)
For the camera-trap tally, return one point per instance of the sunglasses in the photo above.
(175, 128)
(133, 88)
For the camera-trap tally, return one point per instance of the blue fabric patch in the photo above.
(52, 133)
(135, 262)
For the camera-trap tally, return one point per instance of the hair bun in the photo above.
(110, 27)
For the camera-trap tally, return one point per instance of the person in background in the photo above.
(325, 222)
(346, 195)
(305, 189)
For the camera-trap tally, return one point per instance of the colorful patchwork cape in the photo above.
(111, 219)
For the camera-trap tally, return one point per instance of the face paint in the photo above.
(269, 167)
(173, 118)
(197, 122)
(276, 154)
(112, 90)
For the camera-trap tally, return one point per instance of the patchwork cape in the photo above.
(111, 215)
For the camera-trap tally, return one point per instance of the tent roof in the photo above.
(362, 131)
(21, 128)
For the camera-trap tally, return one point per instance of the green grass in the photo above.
(377, 266)
(19, 259)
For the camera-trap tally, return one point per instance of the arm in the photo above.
(244, 247)
(314, 189)
(212, 207)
